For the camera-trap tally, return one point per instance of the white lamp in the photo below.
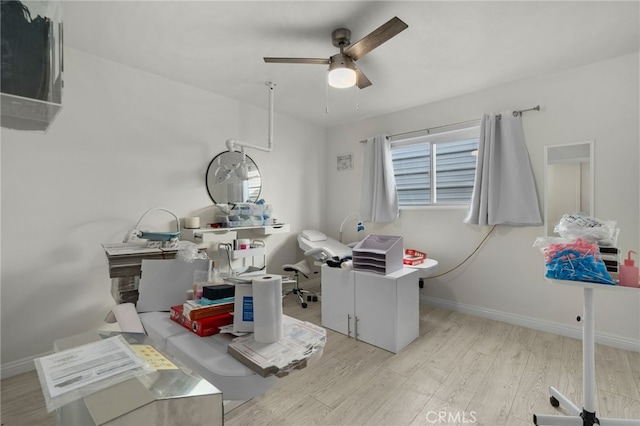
(342, 73)
(360, 226)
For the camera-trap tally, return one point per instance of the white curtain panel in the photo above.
(504, 192)
(379, 197)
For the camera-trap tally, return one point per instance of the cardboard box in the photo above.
(215, 292)
(202, 327)
(194, 310)
(413, 257)
(300, 343)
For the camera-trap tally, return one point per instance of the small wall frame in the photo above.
(344, 162)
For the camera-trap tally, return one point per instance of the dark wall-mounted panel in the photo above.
(31, 69)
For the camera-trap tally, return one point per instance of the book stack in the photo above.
(125, 263)
(125, 259)
(205, 316)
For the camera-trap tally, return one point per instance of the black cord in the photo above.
(467, 258)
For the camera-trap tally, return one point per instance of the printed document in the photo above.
(77, 367)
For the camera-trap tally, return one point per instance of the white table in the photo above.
(425, 269)
(586, 416)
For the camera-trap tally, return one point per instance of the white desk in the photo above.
(587, 415)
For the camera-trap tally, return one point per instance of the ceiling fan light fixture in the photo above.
(342, 73)
(342, 78)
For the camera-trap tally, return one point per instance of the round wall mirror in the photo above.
(233, 177)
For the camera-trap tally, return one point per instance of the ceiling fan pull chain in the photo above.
(326, 98)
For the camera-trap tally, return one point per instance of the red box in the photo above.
(203, 327)
(413, 257)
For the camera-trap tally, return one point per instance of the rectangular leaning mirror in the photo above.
(568, 181)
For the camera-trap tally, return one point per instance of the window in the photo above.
(435, 168)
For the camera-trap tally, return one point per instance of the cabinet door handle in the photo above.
(348, 325)
(357, 320)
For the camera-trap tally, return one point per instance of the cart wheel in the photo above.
(304, 305)
(315, 298)
(554, 402)
(308, 298)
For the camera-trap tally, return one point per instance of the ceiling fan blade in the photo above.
(319, 61)
(361, 80)
(375, 38)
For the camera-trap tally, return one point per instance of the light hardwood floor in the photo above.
(462, 370)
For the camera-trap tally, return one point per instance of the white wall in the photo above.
(505, 279)
(126, 141)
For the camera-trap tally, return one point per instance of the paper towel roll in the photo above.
(267, 308)
(128, 318)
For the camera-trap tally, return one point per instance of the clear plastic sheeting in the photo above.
(591, 229)
(77, 372)
(188, 252)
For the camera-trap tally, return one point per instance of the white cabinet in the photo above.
(382, 310)
(338, 299)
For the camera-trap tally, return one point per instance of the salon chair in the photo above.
(299, 268)
(320, 247)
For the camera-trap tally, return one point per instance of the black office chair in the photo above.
(303, 268)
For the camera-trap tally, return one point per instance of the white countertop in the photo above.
(426, 268)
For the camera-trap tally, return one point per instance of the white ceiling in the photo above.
(450, 47)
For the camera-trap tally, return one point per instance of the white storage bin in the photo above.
(381, 254)
(256, 209)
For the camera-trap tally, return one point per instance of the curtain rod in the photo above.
(428, 130)
(519, 112)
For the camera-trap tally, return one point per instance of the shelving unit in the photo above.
(252, 252)
(198, 235)
(211, 239)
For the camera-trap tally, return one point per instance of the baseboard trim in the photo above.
(606, 339)
(19, 366)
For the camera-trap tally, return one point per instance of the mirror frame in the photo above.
(564, 155)
(211, 169)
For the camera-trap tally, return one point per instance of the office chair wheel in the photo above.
(308, 298)
(315, 298)
(554, 402)
(304, 305)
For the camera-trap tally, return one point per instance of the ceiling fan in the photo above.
(343, 71)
